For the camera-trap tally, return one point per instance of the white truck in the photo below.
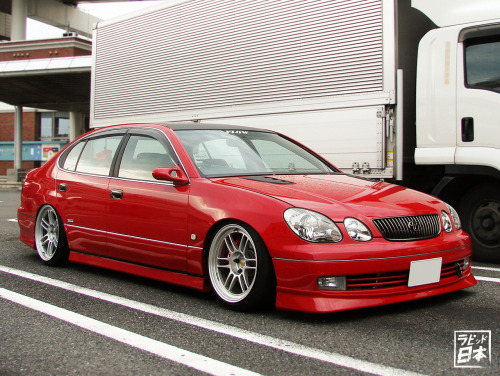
(400, 90)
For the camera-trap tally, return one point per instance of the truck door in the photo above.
(478, 96)
(478, 136)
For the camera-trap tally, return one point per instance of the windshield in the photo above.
(236, 152)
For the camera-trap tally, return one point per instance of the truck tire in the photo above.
(480, 214)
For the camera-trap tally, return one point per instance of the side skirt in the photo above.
(163, 275)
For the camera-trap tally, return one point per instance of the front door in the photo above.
(147, 219)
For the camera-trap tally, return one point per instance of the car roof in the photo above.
(208, 126)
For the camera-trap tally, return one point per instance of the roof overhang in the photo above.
(61, 84)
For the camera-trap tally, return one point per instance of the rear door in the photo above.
(82, 185)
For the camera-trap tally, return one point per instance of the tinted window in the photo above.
(482, 64)
(280, 158)
(72, 158)
(141, 156)
(98, 154)
(226, 153)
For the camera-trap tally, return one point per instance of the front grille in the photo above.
(397, 279)
(413, 227)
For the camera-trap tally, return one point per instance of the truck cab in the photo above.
(458, 111)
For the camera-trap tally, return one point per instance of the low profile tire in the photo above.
(240, 268)
(50, 238)
(480, 214)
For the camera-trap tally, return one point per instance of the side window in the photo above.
(141, 156)
(482, 64)
(98, 154)
(72, 158)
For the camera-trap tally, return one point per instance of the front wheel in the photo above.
(240, 268)
(480, 213)
(50, 238)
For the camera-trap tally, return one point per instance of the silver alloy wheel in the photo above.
(47, 233)
(232, 263)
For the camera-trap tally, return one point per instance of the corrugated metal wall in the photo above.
(210, 53)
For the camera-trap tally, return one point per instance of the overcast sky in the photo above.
(38, 30)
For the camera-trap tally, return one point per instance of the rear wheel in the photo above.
(480, 213)
(240, 268)
(50, 238)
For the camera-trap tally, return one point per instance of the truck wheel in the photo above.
(480, 213)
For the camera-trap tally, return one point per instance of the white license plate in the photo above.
(424, 272)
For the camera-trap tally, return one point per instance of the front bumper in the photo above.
(297, 287)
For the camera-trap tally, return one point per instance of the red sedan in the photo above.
(248, 213)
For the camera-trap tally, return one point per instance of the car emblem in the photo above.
(413, 226)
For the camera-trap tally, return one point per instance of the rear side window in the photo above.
(97, 155)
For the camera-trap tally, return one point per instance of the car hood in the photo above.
(339, 195)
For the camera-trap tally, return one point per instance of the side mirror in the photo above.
(172, 174)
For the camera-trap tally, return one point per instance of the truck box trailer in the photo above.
(399, 90)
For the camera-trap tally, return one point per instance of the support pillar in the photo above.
(17, 173)
(18, 32)
(76, 125)
(18, 19)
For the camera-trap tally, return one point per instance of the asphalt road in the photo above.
(80, 320)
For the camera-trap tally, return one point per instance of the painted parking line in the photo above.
(260, 339)
(486, 268)
(163, 350)
(12, 220)
(487, 279)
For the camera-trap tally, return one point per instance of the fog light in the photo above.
(337, 283)
(466, 263)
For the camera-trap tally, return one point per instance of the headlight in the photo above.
(357, 230)
(455, 217)
(312, 226)
(446, 221)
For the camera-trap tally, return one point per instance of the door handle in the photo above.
(62, 187)
(467, 129)
(117, 194)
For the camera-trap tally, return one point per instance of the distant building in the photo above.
(50, 79)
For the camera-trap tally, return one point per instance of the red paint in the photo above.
(161, 230)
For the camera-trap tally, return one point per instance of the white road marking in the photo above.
(175, 354)
(487, 279)
(260, 339)
(12, 220)
(486, 268)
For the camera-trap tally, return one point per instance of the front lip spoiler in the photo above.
(375, 259)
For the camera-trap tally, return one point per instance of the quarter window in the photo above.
(72, 158)
(141, 156)
(98, 155)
